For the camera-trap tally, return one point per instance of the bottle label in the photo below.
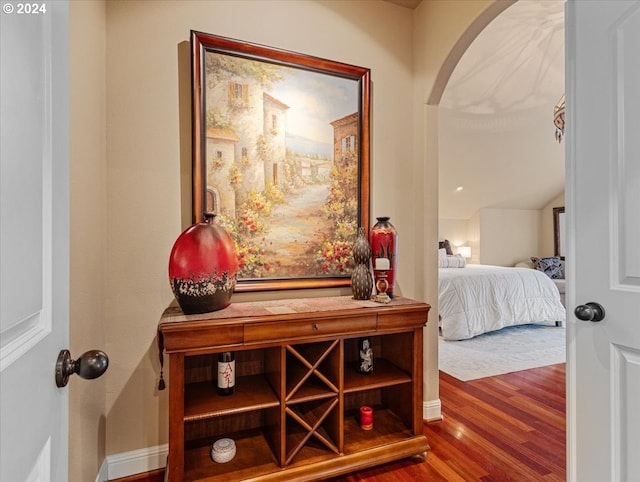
(227, 374)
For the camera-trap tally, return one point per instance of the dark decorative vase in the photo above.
(361, 280)
(384, 243)
(203, 267)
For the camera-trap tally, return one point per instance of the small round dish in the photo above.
(223, 450)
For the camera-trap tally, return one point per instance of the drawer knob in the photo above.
(314, 326)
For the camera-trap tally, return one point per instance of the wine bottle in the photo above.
(226, 373)
(365, 359)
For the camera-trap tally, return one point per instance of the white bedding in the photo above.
(482, 298)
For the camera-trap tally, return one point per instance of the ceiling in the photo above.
(496, 133)
(515, 63)
(406, 3)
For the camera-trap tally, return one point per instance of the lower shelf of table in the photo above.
(253, 456)
(389, 440)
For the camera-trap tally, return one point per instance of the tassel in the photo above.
(161, 382)
(161, 385)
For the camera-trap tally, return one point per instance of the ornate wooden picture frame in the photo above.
(281, 155)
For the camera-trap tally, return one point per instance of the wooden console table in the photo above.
(295, 412)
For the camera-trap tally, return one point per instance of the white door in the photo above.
(603, 213)
(34, 240)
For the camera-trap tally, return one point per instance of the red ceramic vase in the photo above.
(383, 239)
(203, 267)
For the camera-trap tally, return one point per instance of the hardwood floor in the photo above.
(505, 428)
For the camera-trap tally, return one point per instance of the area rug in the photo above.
(504, 351)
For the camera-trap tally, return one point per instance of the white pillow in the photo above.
(451, 261)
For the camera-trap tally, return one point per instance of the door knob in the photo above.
(591, 311)
(90, 365)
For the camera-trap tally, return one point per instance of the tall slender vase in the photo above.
(384, 244)
(361, 280)
(203, 267)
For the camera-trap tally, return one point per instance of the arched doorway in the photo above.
(432, 114)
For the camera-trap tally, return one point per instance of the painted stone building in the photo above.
(275, 116)
(246, 147)
(345, 138)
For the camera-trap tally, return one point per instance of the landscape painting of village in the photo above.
(281, 148)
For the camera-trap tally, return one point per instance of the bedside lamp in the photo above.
(465, 251)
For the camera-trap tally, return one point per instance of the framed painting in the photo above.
(281, 156)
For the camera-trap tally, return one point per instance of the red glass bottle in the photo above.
(203, 267)
(383, 239)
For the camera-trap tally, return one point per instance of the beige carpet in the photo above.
(504, 351)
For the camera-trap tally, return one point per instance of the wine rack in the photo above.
(295, 411)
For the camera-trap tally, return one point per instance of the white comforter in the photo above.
(481, 298)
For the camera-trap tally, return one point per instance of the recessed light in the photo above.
(459, 188)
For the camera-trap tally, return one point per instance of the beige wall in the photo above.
(88, 210)
(441, 32)
(149, 147)
(133, 197)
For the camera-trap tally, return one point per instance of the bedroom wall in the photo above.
(501, 241)
(149, 159)
(455, 230)
(473, 232)
(508, 236)
(497, 236)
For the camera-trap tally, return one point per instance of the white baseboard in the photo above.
(432, 410)
(103, 475)
(136, 462)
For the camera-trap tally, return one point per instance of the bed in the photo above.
(476, 299)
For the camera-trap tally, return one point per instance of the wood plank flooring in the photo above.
(505, 428)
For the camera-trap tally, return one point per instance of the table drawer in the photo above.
(203, 337)
(401, 320)
(312, 327)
